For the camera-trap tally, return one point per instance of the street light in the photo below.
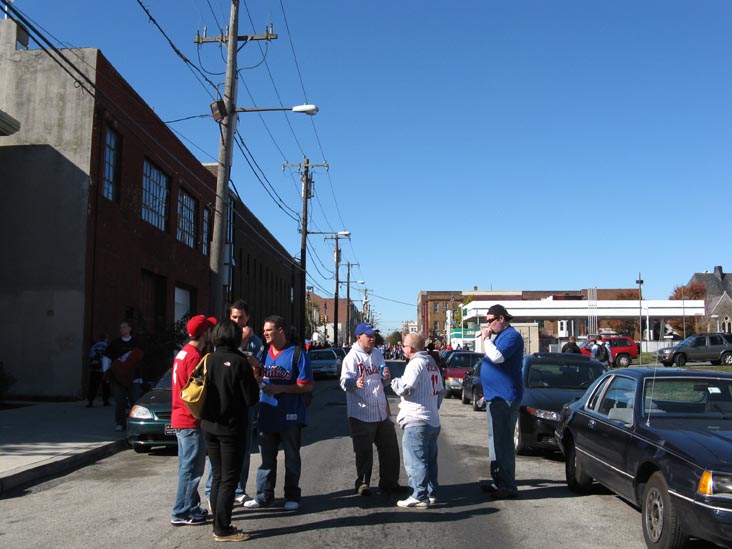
(640, 317)
(226, 116)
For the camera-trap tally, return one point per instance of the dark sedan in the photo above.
(550, 381)
(661, 439)
(148, 424)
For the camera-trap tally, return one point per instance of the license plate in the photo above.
(169, 430)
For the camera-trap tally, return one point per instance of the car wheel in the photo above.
(577, 481)
(661, 525)
(727, 358)
(463, 399)
(140, 449)
(519, 443)
(680, 360)
(474, 401)
(622, 361)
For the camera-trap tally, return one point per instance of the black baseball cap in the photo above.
(499, 310)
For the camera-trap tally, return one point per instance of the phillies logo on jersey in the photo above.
(277, 372)
(368, 371)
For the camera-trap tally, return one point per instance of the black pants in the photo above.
(383, 435)
(226, 454)
(95, 378)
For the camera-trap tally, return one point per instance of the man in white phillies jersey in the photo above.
(421, 391)
(363, 376)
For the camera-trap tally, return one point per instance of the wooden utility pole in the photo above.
(227, 119)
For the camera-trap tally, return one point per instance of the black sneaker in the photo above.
(363, 490)
(488, 487)
(504, 493)
(193, 519)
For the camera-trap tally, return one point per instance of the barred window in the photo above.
(155, 190)
(205, 237)
(187, 206)
(112, 150)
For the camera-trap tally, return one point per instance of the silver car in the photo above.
(325, 362)
(714, 348)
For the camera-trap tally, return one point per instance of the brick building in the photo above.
(111, 218)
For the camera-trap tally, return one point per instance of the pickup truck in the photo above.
(714, 348)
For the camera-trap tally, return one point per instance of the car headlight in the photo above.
(449, 379)
(543, 414)
(715, 484)
(666, 351)
(140, 412)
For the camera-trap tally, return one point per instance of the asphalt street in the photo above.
(125, 500)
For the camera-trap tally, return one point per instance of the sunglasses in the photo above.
(489, 320)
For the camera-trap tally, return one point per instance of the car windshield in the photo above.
(166, 382)
(563, 376)
(340, 351)
(688, 397)
(321, 355)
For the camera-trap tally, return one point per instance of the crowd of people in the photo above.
(258, 394)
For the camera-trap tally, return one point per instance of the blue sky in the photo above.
(505, 145)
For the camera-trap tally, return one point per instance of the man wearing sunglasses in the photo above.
(500, 374)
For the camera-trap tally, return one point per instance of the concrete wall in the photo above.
(42, 273)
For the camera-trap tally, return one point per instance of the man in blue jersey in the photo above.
(500, 375)
(364, 375)
(281, 414)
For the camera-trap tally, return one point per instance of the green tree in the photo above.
(692, 291)
(394, 338)
(459, 314)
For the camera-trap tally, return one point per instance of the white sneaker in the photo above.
(433, 500)
(292, 505)
(252, 504)
(413, 502)
(241, 499)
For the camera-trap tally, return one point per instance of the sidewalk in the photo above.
(42, 439)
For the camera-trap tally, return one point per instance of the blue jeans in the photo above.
(241, 487)
(419, 445)
(191, 460)
(267, 472)
(502, 416)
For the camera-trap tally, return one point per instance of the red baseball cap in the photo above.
(199, 324)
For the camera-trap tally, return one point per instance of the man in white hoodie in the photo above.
(421, 391)
(364, 375)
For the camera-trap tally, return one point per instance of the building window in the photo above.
(187, 206)
(435, 307)
(205, 232)
(155, 190)
(112, 155)
(436, 326)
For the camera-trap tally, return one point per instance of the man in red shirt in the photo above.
(191, 448)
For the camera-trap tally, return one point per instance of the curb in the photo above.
(58, 466)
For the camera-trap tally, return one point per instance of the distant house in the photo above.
(718, 298)
(107, 216)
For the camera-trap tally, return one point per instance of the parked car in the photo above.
(661, 439)
(148, 423)
(325, 362)
(444, 355)
(472, 392)
(455, 368)
(622, 348)
(550, 381)
(714, 348)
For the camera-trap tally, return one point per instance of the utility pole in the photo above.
(228, 120)
(348, 303)
(306, 194)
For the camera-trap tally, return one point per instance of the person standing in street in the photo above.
(232, 390)
(500, 375)
(364, 375)
(286, 377)
(601, 352)
(421, 391)
(571, 346)
(250, 346)
(191, 448)
(96, 374)
(124, 373)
